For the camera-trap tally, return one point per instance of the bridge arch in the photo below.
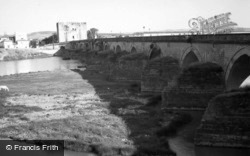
(190, 55)
(238, 69)
(133, 50)
(118, 48)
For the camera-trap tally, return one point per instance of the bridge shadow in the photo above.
(126, 102)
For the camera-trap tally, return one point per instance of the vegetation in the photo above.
(142, 121)
(40, 35)
(49, 40)
(92, 33)
(20, 54)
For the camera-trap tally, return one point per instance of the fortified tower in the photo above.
(71, 31)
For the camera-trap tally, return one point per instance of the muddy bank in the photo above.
(21, 54)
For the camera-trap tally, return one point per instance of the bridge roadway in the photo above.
(230, 51)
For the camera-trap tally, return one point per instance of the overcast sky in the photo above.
(115, 15)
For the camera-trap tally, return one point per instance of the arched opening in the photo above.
(133, 50)
(189, 59)
(239, 72)
(118, 49)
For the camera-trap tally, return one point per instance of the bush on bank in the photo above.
(20, 54)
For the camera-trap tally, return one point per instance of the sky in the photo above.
(115, 15)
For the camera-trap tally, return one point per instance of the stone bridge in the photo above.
(230, 51)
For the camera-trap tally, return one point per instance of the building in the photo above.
(19, 40)
(71, 31)
(6, 43)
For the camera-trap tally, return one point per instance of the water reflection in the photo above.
(34, 65)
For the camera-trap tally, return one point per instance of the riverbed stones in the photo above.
(194, 87)
(159, 73)
(226, 121)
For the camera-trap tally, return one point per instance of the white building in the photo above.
(19, 40)
(6, 43)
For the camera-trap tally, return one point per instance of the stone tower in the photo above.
(71, 31)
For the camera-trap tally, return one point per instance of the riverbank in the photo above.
(81, 107)
(21, 54)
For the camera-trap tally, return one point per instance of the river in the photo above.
(35, 65)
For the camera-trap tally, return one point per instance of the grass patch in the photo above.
(3, 96)
(90, 133)
(9, 110)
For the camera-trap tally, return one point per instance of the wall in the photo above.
(21, 36)
(6, 44)
(71, 31)
(22, 44)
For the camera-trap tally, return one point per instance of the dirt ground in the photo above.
(81, 107)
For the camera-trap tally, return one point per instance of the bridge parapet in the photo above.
(217, 38)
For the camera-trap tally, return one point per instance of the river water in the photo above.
(35, 65)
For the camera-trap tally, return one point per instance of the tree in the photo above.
(92, 33)
(51, 39)
(34, 43)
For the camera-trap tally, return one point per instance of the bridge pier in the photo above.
(158, 73)
(226, 122)
(194, 87)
